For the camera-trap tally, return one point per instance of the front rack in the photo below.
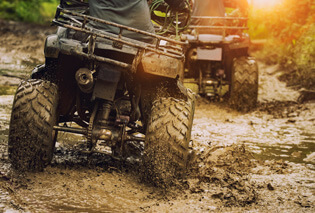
(79, 22)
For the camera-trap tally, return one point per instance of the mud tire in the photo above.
(244, 84)
(166, 151)
(31, 135)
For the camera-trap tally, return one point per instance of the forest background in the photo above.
(287, 30)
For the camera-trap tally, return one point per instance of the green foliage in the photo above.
(38, 11)
(303, 59)
(290, 31)
(257, 24)
(287, 22)
(48, 9)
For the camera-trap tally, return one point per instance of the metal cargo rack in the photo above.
(224, 25)
(73, 20)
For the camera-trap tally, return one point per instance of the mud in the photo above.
(260, 161)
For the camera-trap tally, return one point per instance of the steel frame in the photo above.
(79, 22)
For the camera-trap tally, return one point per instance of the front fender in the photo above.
(52, 47)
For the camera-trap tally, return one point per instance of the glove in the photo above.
(177, 5)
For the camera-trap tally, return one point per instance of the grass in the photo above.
(34, 11)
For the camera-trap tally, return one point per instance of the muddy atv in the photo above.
(218, 65)
(115, 90)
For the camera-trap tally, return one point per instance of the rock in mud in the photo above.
(306, 95)
(270, 187)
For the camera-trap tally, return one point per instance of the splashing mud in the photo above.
(223, 171)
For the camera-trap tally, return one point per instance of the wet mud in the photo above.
(259, 161)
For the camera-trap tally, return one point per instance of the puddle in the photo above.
(300, 144)
(52, 202)
(292, 153)
(289, 139)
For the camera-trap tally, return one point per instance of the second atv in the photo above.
(217, 61)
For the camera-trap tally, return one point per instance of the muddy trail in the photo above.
(259, 161)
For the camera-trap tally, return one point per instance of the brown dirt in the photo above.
(24, 41)
(259, 161)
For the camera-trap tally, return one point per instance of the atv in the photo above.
(218, 65)
(116, 90)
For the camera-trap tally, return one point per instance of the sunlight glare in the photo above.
(265, 3)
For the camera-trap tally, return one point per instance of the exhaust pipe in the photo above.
(84, 80)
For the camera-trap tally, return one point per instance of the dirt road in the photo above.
(260, 161)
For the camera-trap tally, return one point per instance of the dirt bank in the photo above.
(21, 48)
(259, 161)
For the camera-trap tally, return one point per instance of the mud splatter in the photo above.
(227, 170)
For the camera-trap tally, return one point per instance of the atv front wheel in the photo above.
(167, 139)
(31, 136)
(244, 85)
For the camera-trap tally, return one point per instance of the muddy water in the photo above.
(80, 190)
(291, 138)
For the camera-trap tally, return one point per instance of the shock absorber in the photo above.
(99, 117)
(209, 82)
(207, 70)
(103, 112)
